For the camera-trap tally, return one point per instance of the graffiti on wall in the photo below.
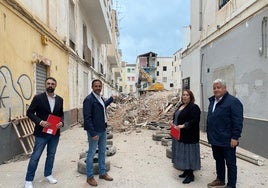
(14, 94)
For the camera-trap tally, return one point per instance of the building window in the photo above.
(171, 85)
(157, 73)
(84, 39)
(93, 52)
(41, 75)
(222, 3)
(85, 88)
(101, 68)
(128, 70)
(133, 78)
(186, 83)
(72, 44)
(128, 78)
(71, 25)
(164, 79)
(164, 68)
(157, 63)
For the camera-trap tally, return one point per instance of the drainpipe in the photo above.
(201, 66)
(202, 92)
(200, 15)
(264, 32)
(263, 49)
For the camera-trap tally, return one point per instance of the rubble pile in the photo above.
(130, 113)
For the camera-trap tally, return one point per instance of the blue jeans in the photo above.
(51, 142)
(222, 155)
(101, 143)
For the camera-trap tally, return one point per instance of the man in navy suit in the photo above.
(41, 106)
(95, 123)
(224, 128)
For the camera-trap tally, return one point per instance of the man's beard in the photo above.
(50, 89)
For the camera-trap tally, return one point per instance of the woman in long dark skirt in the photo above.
(186, 150)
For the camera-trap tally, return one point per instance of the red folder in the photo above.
(175, 133)
(53, 120)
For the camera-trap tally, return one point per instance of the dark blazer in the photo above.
(190, 116)
(225, 122)
(40, 109)
(93, 112)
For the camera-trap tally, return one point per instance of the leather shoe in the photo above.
(183, 175)
(216, 183)
(91, 181)
(106, 177)
(188, 179)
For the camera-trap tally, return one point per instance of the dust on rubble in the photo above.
(132, 113)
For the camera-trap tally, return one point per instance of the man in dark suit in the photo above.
(41, 107)
(224, 128)
(95, 123)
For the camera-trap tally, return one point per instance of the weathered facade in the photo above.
(157, 73)
(131, 79)
(177, 74)
(229, 40)
(127, 81)
(66, 39)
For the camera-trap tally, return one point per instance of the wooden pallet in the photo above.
(24, 128)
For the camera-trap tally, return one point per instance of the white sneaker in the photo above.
(51, 179)
(28, 184)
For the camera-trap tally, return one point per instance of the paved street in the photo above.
(139, 162)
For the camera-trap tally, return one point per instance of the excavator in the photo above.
(151, 86)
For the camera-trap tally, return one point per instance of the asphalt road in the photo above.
(140, 162)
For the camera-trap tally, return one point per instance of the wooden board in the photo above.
(24, 128)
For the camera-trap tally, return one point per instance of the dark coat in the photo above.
(190, 116)
(93, 112)
(39, 110)
(225, 122)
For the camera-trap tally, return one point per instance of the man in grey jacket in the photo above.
(224, 127)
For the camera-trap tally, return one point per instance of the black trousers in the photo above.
(225, 155)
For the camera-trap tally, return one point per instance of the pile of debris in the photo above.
(130, 113)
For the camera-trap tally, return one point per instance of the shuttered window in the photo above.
(41, 75)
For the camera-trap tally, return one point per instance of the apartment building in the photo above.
(156, 73)
(177, 70)
(167, 72)
(228, 40)
(146, 70)
(74, 41)
(128, 79)
(131, 79)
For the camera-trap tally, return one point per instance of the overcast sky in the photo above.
(151, 25)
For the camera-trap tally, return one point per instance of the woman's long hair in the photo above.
(192, 99)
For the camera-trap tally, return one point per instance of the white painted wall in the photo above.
(191, 68)
(168, 74)
(177, 70)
